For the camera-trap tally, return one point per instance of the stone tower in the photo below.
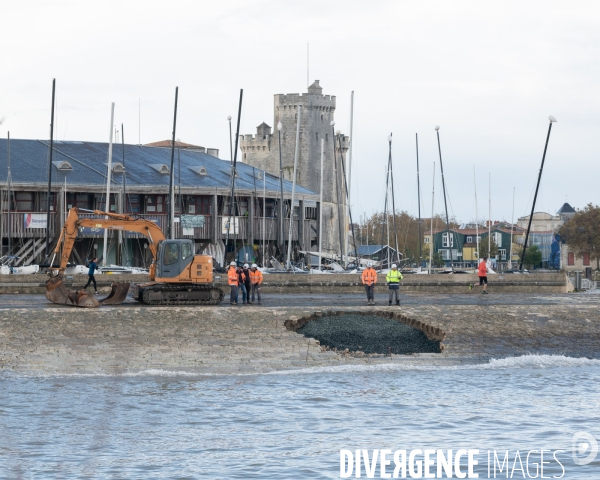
(262, 151)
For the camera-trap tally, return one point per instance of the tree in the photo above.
(533, 256)
(582, 233)
(483, 248)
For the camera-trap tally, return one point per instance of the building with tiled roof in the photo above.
(79, 175)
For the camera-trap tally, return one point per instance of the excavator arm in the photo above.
(56, 291)
(113, 222)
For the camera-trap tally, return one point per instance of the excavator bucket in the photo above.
(56, 292)
(117, 295)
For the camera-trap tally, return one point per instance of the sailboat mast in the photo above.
(476, 218)
(393, 201)
(50, 171)
(437, 129)
(172, 174)
(512, 219)
(419, 199)
(321, 202)
(8, 184)
(234, 165)
(264, 233)
(432, 243)
(385, 215)
(349, 178)
(296, 153)
(110, 145)
(490, 217)
(337, 191)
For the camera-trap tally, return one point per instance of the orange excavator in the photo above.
(177, 275)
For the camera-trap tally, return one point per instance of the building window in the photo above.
(326, 137)
(300, 134)
(317, 136)
(427, 240)
(445, 240)
(571, 259)
(586, 259)
(321, 118)
(497, 237)
(24, 201)
(469, 239)
(296, 116)
(502, 253)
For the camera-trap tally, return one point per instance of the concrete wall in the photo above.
(335, 283)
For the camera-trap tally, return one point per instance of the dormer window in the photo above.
(199, 170)
(63, 165)
(161, 168)
(117, 167)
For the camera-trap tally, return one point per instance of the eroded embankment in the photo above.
(370, 332)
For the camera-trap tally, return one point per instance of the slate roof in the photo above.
(29, 165)
(566, 208)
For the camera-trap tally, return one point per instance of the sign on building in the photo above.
(34, 220)
(230, 224)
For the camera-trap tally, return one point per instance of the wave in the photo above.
(509, 363)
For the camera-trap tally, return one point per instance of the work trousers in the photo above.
(242, 287)
(234, 293)
(90, 280)
(394, 290)
(370, 289)
(256, 289)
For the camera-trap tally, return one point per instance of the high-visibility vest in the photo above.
(256, 277)
(369, 276)
(393, 276)
(232, 276)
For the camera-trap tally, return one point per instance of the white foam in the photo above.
(510, 363)
(524, 361)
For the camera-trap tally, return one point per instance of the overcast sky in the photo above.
(488, 73)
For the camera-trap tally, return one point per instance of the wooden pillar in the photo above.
(215, 218)
(301, 215)
(251, 210)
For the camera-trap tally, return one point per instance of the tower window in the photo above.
(326, 137)
(317, 136)
(321, 118)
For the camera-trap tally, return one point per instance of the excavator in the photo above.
(177, 275)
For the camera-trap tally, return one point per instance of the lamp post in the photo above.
(552, 120)
(437, 131)
(281, 234)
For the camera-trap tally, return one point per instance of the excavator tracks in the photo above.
(180, 295)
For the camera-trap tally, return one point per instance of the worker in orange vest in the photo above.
(232, 279)
(369, 279)
(256, 278)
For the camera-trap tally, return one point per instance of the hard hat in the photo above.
(254, 265)
(394, 265)
(245, 265)
(232, 264)
(369, 264)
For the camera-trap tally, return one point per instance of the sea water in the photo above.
(158, 424)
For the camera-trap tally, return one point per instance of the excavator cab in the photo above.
(173, 258)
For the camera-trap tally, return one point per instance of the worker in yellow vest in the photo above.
(393, 278)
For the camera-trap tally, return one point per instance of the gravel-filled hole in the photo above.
(368, 334)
